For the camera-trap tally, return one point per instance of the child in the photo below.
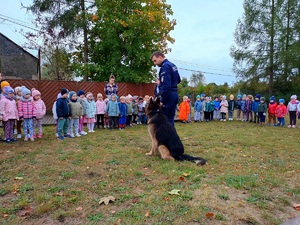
(190, 105)
(281, 111)
(40, 112)
(112, 109)
(63, 114)
(292, 108)
(243, 107)
(231, 106)
(184, 110)
(198, 107)
(238, 106)
(248, 108)
(90, 112)
(106, 118)
(27, 113)
(261, 111)
(82, 101)
(8, 113)
(272, 111)
(129, 110)
(224, 108)
(135, 110)
(216, 108)
(100, 110)
(55, 114)
(207, 109)
(76, 113)
(255, 108)
(141, 111)
(123, 113)
(18, 95)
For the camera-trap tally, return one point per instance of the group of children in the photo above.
(21, 106)
(247, 109)
(72, 110)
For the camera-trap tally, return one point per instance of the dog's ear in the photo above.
(158, 100)
(151, 101)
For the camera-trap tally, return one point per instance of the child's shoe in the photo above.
(56, 135)
(15, 131)
(224, 120)
(92, 131)
(19, 136)
(26, 138)
(68, 136)
(40, 136)
(77, 135)
(293, 126)
(7, 141)
(60, 137)
(34, 136)
(289, 126)
(13, 140)
(83, 133)
(72, 135)
(31, 138)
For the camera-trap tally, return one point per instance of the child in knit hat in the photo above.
(231, 107)
(18, 95)
(40, 112)
(83, 102)
(224, 108)
(272, 111)
(63, 114)
(292, 109)
(27, 113)
(76, 113)
(238, 106)
(262, 110)
(8, 113)
(281, 111)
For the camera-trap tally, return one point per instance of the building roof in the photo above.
(18, 46)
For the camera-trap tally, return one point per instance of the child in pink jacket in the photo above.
(8, 113)
(100, 110)
(40, 112)
(27, 113)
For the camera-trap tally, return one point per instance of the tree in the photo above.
(67, 18)
(267, 43)
(124, 35)
(196, 79)
(57, 65)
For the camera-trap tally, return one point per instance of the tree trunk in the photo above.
(85, 40)
(272, 34)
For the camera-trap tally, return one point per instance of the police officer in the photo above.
(168, 80)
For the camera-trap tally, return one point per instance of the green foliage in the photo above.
(124, 35)
(266, 51)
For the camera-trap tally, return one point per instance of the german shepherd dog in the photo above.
(164, 137)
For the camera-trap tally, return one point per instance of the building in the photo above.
(16, 62)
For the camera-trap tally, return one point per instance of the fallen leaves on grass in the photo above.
(106, 200)
(181, 178)
(147, 214)
(210, 215)
(187, 174)
(25, 212)
(174, 192)
(79, 209)
(296, 206)
(18, 178)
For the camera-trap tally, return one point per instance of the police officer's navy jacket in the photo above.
(169, 78)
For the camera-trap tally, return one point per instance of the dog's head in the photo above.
(153, 107)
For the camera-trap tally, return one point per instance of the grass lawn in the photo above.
(252, 177)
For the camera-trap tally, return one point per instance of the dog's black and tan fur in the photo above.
(165, 139)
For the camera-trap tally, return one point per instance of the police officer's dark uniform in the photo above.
(169, 78)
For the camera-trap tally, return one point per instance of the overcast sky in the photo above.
(203, 34)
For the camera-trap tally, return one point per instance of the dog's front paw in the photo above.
(149, 154)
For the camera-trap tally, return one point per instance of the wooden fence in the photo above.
(50, 89)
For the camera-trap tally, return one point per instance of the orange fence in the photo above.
(50, 89)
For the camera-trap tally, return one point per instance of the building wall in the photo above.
(15, 62)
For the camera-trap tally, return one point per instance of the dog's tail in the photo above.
(198, 160)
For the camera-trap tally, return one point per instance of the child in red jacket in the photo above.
(281, 111)
(272, 111)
